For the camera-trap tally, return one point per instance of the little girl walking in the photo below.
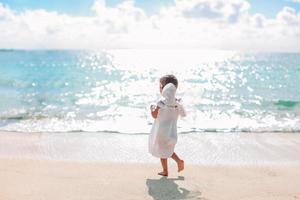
(163, 135)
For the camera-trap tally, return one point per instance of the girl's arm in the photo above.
(154, 111)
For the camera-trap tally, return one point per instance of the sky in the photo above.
(254, 25)
(82, 7)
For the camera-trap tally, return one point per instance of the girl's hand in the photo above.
(154, 111)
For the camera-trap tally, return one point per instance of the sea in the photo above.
(61, 91)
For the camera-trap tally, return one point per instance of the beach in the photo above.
(75, 124)
(31, 167)
(94, 95)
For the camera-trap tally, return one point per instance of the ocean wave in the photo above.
(141, 126)
(287, 103)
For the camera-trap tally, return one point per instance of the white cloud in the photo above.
(289, 16)
(213, 9)
(219, 24)
(295, 1)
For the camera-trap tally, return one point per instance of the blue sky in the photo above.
(79, 7)
(82, 7)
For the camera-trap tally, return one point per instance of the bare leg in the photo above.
(180, 163)
(164, 164)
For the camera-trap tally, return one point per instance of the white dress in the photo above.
(163, 136)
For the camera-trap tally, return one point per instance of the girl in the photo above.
(163, 135)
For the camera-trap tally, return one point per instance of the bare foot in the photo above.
(163, 173)
(180, 164)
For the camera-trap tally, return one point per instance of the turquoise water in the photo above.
(63, 91)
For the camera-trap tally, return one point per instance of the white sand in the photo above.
(236, 166)
(49, 180)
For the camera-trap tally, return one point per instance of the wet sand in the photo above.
(194, 148)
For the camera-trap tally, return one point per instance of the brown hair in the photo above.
(168, 79)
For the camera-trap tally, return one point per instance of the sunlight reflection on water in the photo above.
(112, 90)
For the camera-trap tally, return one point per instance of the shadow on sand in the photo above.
(166, 189)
